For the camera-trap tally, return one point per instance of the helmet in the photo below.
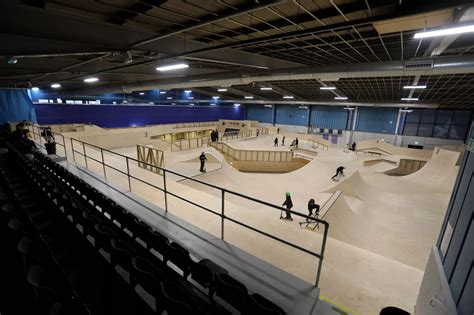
(287, 194)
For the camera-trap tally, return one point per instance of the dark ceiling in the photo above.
(122, 41)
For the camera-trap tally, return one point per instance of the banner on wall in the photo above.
(16, 105)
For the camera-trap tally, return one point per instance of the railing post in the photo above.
(165, 191)
(72, 149)
(64, 146)
(128, 175)
(323, 247)
(222, 214)
(103, 163)
(85, 154)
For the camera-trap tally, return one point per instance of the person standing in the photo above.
(278, 130)
(203, 160)
(339, 171)
(283, 141)
(353, 146)
(289, 204)
(275, 143)
(258, 132)
(296, 142)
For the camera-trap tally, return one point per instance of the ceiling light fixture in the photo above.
(236, 104)
(192, 104)
(446, 31)
(187, 91)
(162, 92)
(172, 67)
(35, 89)
(406, 110)
(409, 98)
(12, 60)
(169, 98)
(190, 98)
(304, 107)
(288, 97)
(340, 98)
(142, 93)
(248, 97)
(213, 104)
(221, 90)
(266, 88)
(91, 80)
(414, 87)
(268, 105)
(55, 85)
(216, 97)
(349, 108)
(327, 87)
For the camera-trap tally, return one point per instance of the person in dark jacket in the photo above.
(339, 170)
(203, 160)
(296, 143)
(289, 204)
(353, 147)
(283, 141)
(275, 143)
(312, 205)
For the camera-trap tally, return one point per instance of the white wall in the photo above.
(429, 143)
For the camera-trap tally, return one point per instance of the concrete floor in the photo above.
(381, 228)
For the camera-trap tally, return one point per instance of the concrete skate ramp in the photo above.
(389, 149)
(354, 186)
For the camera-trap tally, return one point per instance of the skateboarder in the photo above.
(283, 141)
(339, 171)
(275, 143)
(203, 160)
(258, 131)
(289, 204)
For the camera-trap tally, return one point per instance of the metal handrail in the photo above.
(38, 134)
(224, 191)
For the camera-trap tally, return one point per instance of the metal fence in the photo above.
(58, 138)
(91, 153)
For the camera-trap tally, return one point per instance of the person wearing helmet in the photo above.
(339, 171)
(289, 204)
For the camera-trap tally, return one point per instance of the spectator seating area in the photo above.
(72, 250)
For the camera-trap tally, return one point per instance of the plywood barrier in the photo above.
(153, 158)
(383, 148)
(406, 166)
(253, 155)
(316, 142)
(187, 144)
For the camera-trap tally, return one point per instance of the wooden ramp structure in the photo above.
(153, 159)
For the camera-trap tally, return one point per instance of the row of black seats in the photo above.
(146, 258)
(31, 247)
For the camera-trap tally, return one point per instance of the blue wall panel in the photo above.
(260, 113)
(291, 116)
(125, 116)
(328, 117)
(15, 105)
(380, 120)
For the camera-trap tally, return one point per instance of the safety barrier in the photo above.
(318, 142)
(195, 124)
(253, 155)
(187, 144)
(91, 153)
(58, 138)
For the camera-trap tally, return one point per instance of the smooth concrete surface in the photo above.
(374, 261)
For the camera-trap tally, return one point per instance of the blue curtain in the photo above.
(15, 105)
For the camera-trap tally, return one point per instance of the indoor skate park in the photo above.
(237, 157)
